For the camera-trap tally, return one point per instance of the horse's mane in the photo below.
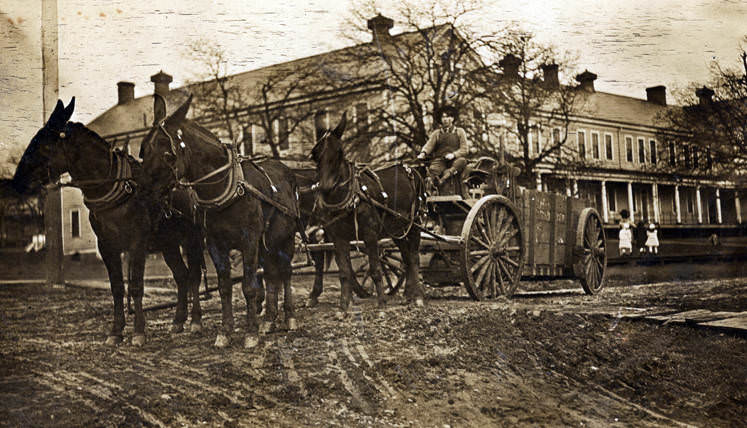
(79, 127)
(197, 130)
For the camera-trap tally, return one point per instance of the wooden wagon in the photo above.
(488, 233)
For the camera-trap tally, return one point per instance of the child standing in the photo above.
(652, 241)
(626, 239)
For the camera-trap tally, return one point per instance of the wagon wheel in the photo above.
(392, 273)
(493, 251)
(590, 257)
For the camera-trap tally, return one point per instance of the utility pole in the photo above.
(50, 94)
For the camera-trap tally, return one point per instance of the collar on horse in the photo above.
(122, 187)
(236, 186)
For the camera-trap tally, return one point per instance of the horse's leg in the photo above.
(173, 259)
(409, 247)
(250, 287)
(284, 267)
(113, 264)
(136, 289)
(219, 254)
(342, 252)
(316, 291)
(272, 281)
(374, 268)
(194, 261)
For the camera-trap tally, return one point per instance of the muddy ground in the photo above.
(557, 359)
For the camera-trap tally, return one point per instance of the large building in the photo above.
(626, 166)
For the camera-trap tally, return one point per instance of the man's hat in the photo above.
(449, 110)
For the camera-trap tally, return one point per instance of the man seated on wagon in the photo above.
(446, 147)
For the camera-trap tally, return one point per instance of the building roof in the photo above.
(134, 115)
(621, 108)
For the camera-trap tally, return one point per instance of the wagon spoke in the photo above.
(507, 237)
(509, 261)
(498, 275)
(482, 243)
(478, 264)
(479, 253)
(481, 275)
(514, 248)
(491, 280)
(505, 270)
(483, 234)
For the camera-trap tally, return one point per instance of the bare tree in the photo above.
(523, 88)
(709, 134)
(432, 63)
(275, 98)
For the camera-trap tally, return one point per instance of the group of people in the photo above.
(644, 236)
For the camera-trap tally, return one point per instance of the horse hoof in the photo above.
(113, 340)
(177, 328)
(221, 341)
(292, 324)
(265, 328)
(419, 302)
(138, 340)
(195, 328)
(250, 342)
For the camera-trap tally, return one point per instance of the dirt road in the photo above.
(548, 360)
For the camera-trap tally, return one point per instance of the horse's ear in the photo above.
(340, 129)
(181, 113)
(159, 108)
(56, 115)
(68, 112)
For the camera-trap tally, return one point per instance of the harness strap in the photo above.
(121, 189)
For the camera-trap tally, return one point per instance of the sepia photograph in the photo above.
(385, 213)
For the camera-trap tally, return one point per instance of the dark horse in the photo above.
(367, 205)
(124, 216)
(306, 179)
(247, 206)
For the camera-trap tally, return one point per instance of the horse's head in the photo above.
(164, 153)
(328, 155)
(44, 158)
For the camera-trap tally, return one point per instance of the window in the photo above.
(641, 150)
(75, 223)
(321, 121)
(695, 157)
(582, 144)
(686, 152)
(612, 202)
(709, 159)
(672, 154)
(258, 135)
(652, 148)
(280, 129)
(595, 152)
(361, 118)
(535, 140)
(246, 147)
(608, 146)
(629, 148)
(690, 204)
(556, 136)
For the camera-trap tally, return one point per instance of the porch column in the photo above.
(539, 181)
(697, 200)
(739, 206)
(567, 187)
(605, 210)
(655, 195)
(575, 188)
(677, 203)
(718, 207)
(630, 201)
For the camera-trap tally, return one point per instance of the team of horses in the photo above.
(192, 193)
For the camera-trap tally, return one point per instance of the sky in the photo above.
(629, 44)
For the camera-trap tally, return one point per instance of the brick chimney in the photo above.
(380, 26)
(550, 76)
(586, 81)
(161, 82)
(125, 92)
(705, 95)
(510, 65)
(657, 95)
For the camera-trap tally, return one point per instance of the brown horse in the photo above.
(124, 216)
(247, 206)
(367, 205)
